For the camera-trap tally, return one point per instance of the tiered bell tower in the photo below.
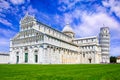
(104, 40)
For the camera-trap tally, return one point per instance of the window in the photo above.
(106, 31)
(53, 33)
(39, 27)
(26, 48)
(36, 33)
(17, 57)
(49, 30)
(83, 55)
(44, 28)
(36, 51)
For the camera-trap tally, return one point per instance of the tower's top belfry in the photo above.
(104, 31)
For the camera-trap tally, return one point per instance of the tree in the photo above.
(113, 59)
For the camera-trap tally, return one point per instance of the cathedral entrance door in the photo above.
(26, 57)
(89, 60)
(36, 58)
(17, 59)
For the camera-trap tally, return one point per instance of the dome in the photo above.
(67, 28)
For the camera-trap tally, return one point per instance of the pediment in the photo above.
(27, 18)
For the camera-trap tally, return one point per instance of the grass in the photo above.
(60, 72)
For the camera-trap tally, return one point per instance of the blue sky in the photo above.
(85, 16)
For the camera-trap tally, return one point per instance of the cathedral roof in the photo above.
(67, 28)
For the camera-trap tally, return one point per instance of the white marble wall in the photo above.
(53, 47)
(4, 59)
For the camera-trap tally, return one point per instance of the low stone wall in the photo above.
(4, 58)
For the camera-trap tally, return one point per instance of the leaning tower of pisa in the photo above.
(104, 39)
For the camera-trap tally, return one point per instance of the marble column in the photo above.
(52, 50)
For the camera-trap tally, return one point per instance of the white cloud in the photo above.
(59, 21)
(91, 24)
(114, 6)
(105, 3)
(5, 35)
(68, 18)
(4, 4)
(5, 22)
(116, 9)
(32, 10)
(67, 4)
(17, 2)
(62, 8)
(4, 41)
(2, 15)
(4, 45)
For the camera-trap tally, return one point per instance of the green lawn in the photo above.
(60, 72)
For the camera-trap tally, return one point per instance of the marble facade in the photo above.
(38, 43)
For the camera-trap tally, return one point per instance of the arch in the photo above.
(90, 60)
(17, 57)
(26, 49)
(36, 56)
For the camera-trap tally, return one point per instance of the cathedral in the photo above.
(38, 43)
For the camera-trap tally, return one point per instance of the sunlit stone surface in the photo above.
(37, 43)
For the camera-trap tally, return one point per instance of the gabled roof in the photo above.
(27, 18)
